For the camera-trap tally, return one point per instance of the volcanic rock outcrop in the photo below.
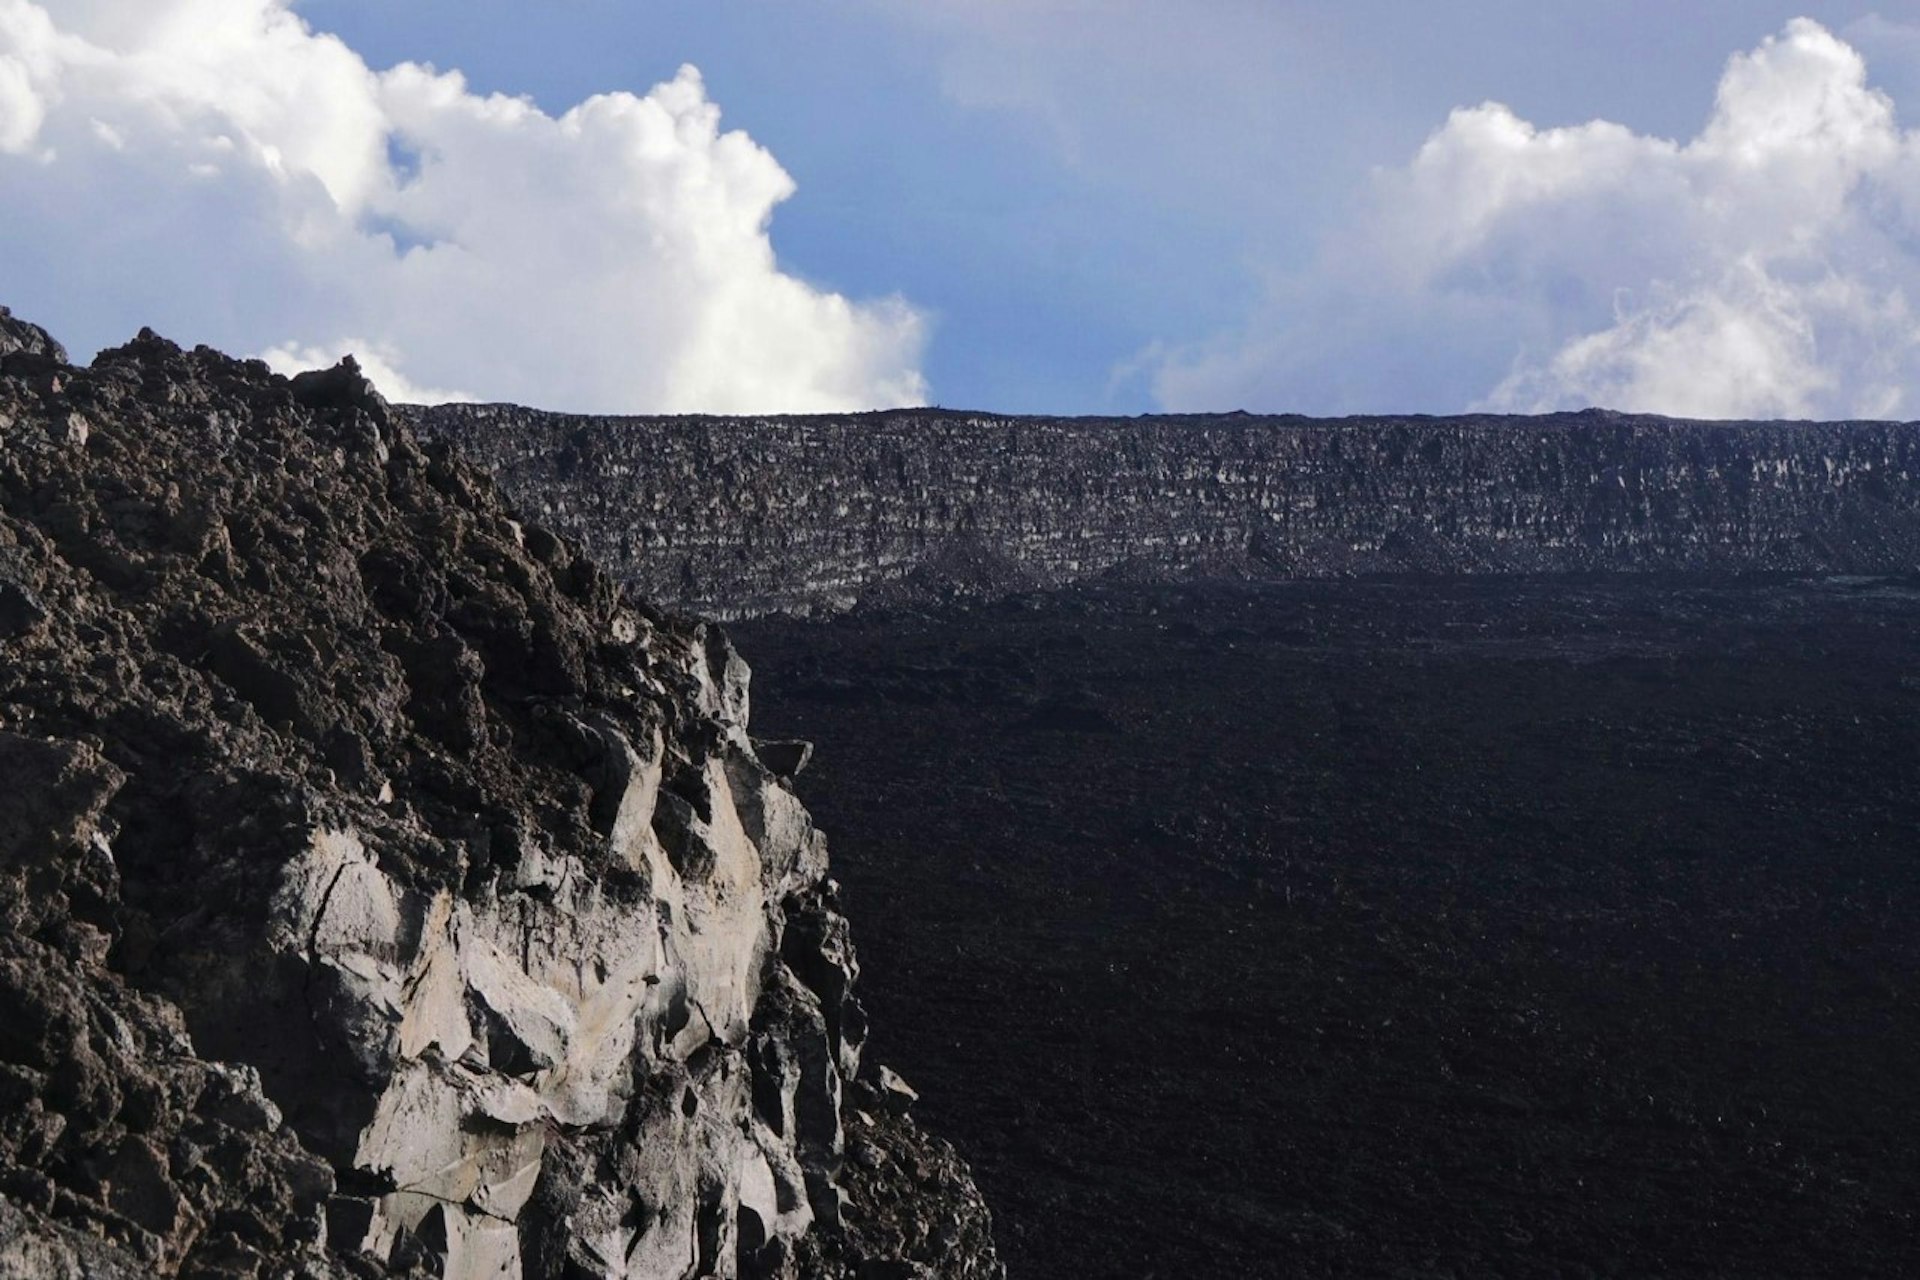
(384, 891)
(734, 517)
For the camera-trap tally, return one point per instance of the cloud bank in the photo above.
(220, 170)
(1768, 267)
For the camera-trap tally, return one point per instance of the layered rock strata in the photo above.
(386, 892)
(735, 517)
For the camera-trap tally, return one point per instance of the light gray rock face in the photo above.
(733, 517)
(513, 1038)
(386, 893)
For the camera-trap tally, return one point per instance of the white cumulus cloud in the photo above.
(1769, 266)
(218, 169)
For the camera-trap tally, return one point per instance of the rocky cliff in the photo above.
(734, 517)
(385, 892)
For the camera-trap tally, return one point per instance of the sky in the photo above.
(1076, 206)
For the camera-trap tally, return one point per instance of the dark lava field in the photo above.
(1497, 928)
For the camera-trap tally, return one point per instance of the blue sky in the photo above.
(1020, 205)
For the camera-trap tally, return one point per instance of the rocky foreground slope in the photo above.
(383, 892)
(737, 517)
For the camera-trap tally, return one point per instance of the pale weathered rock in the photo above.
(893, 1093)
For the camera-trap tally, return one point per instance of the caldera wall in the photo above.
(737, 516)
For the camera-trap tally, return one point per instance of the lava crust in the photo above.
(1527, 927)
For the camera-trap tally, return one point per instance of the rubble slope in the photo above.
(387, 893)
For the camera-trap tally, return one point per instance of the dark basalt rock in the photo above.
(737, 517)
(17, 337)
(786, 758)
(383, 892)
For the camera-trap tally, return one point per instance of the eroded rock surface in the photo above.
(735, 517)
(383, 891)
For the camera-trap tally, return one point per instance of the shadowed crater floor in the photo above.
(1518, 927)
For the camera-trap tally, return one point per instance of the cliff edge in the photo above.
(733, 517)
(384, 891)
